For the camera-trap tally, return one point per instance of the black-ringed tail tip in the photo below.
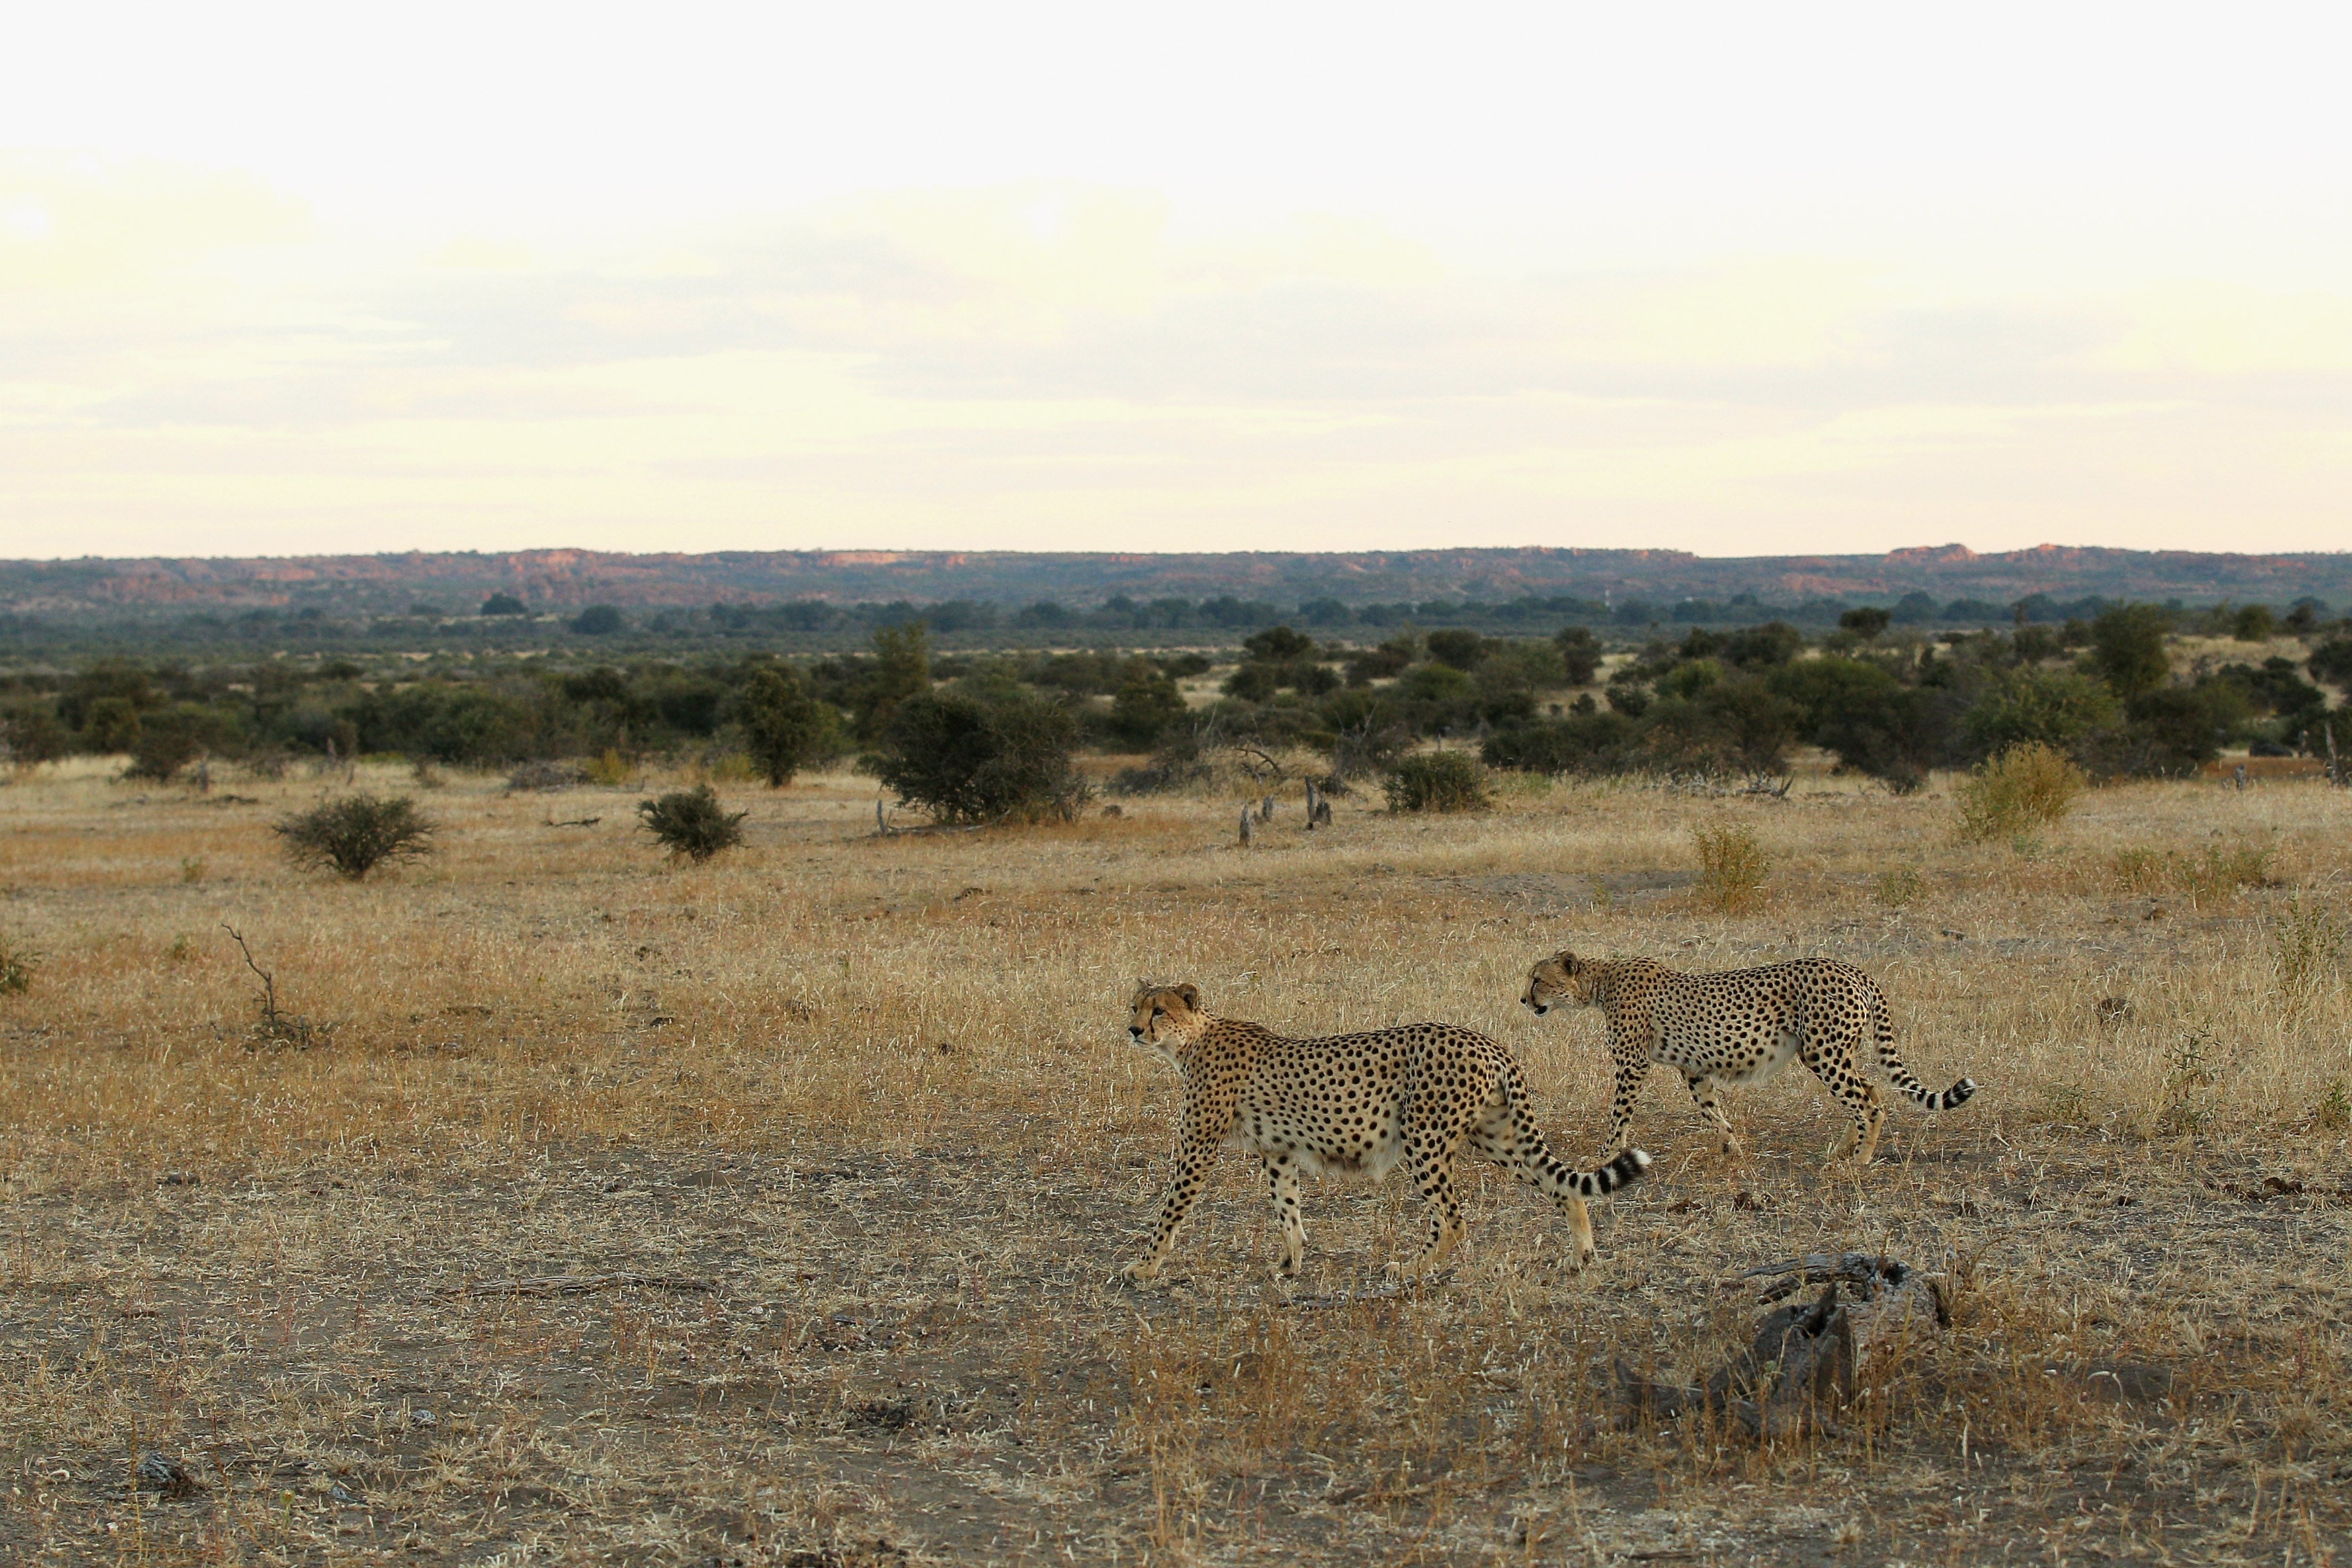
(1958, 1094)
(1625, 1170)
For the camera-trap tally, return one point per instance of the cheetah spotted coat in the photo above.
(1739, 1025)
(1353, 1105)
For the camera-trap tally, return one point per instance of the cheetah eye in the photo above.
(1159, 1012)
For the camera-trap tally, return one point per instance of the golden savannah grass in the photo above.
(767, 1210)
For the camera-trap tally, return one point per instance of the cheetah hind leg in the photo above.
(1433, 1178)
(1282, 1182)
(1703, 1093)
(1520, 1150)
(1860, 1097)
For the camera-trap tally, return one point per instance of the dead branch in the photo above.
(268, 981)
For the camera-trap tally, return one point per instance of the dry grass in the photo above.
(873, 1092)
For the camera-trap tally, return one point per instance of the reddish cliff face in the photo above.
(558, 578)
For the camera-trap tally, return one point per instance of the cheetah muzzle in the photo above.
(1353, 1105)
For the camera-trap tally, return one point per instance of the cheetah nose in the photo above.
(1539, 1008)
(1133, 1032)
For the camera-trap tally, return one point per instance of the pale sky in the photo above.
(1740, 280)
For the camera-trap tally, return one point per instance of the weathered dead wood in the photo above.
(1876, 1278)
(1796, 1373)
(577, 1285)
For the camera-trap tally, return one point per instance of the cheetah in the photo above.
(1739, 1025)
(1354, 1105)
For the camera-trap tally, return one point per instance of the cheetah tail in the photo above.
(1623, 1171)
(1900, 1075)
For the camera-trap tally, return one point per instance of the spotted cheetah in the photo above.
(1739, 1025)
(1353, 1105)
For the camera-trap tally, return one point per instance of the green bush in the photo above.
(355, 834)
(964, 758)
(691, 823)
(1579, 653)
(2056, 708)
(1437, 781)
(1595, 742)
(2026, 787)
(785, 729)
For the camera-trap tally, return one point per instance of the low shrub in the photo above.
(1437, 781)
(16, 966)
(546, 776)
(2027, 787)
(355, 835)
(692, 823)
(1732, 866)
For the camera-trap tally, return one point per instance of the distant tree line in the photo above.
(2117, 688)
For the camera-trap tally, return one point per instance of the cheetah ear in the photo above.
(1191, 995)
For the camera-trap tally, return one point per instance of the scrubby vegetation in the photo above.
(1437, 781)
(692, 823)
(354, 834)
(2030, 786)
(974, 758)
(2118, 690)
(1732, 866)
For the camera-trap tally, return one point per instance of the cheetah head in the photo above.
(1164, 1016)
(1561, 979)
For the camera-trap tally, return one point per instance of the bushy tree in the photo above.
(504, 604)
(901, 669)
(1580, 655)
(785, 729)
(355, 834)
(1866, 623)
(2331, 662)
(599, 620)
(2128, 648)
(966, 757)
(2057, 708)
(1462, 649)
(1145, 707)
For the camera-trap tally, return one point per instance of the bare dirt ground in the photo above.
(766, 1212)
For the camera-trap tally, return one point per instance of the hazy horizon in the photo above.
(275, 281)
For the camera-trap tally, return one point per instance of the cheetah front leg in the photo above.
(1282, 1180)
(1433, 1175)
(1702, 1089)
(1191, 1174)
(1632, 1067)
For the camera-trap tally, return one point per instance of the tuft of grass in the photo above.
(612, 769)
(2217, 870)
(2026, 787)
(1731, 866)
(1437, 781)
(16, 966)
(692, 823)
(1897, 887)
(191, 868)
(2308, 940)
(355, 835)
